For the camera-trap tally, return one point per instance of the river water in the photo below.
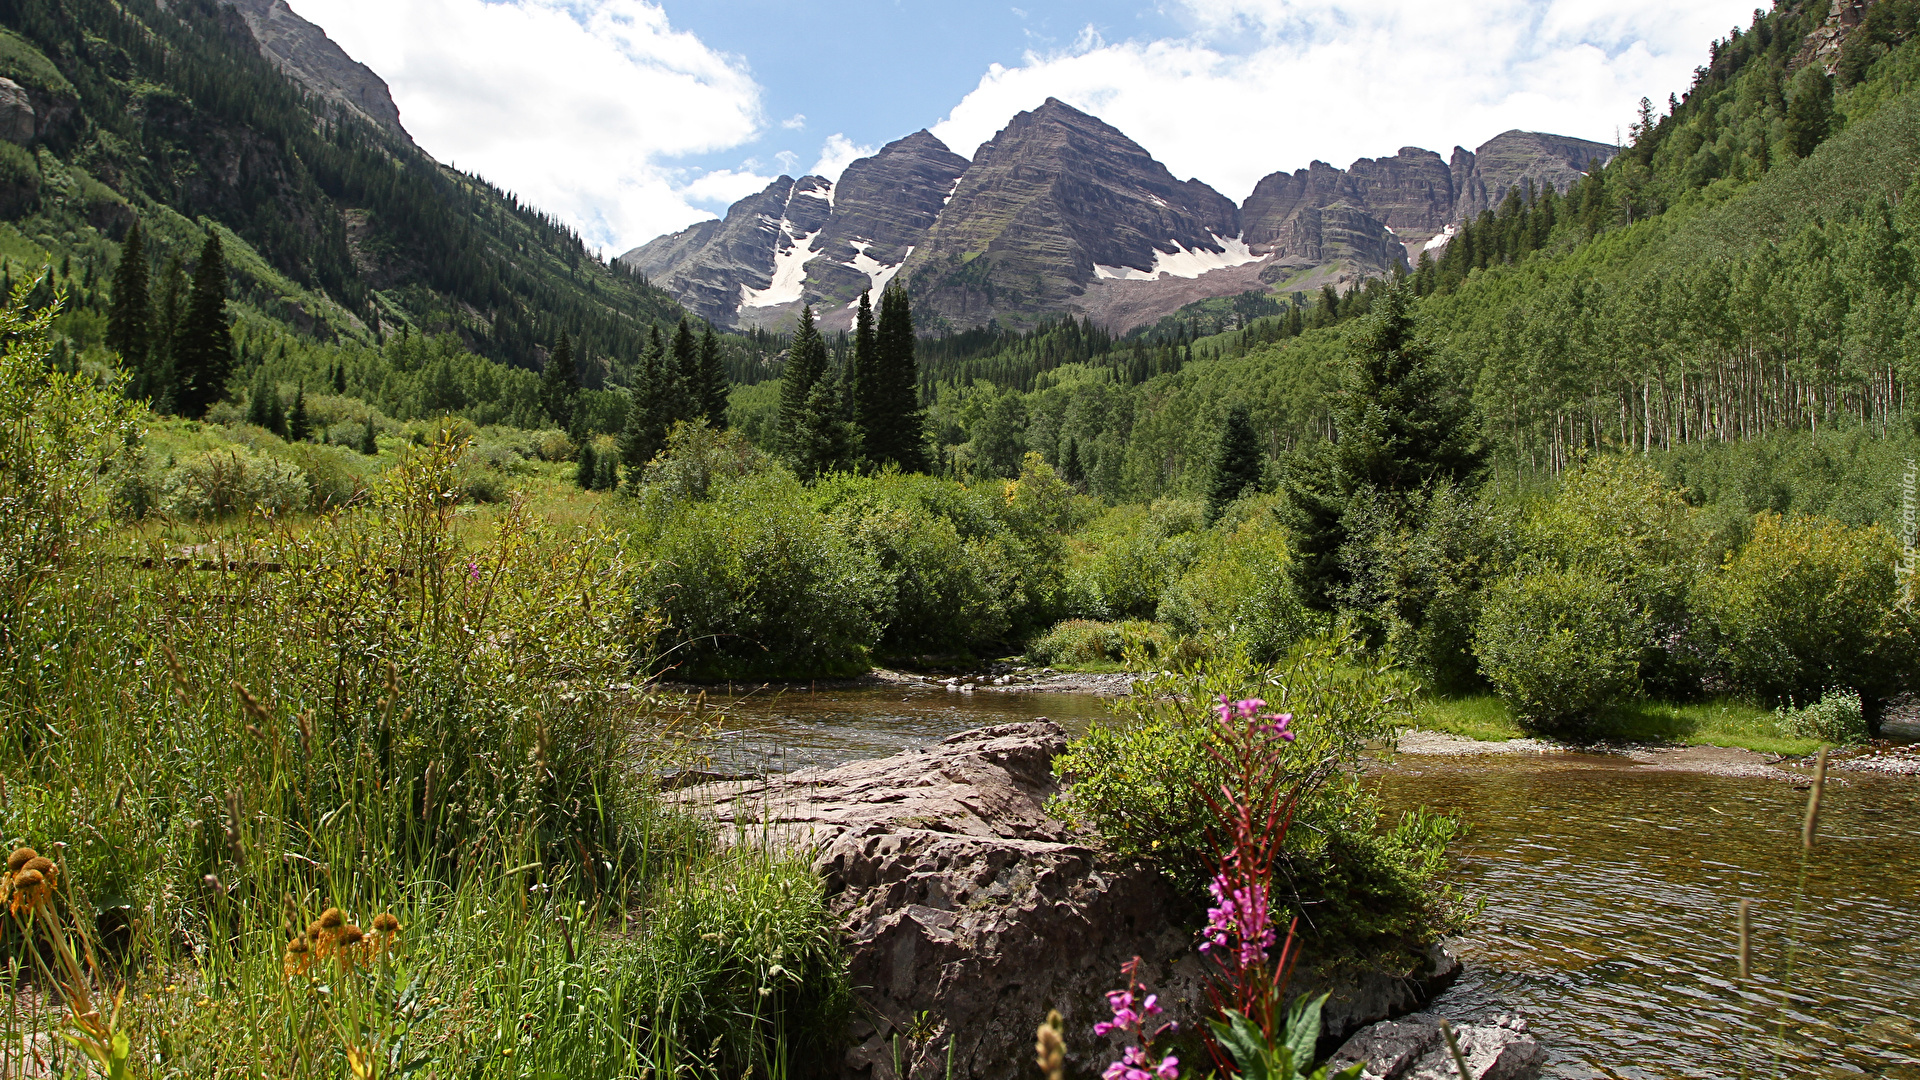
(1611, 891)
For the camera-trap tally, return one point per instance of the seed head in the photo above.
(297, 945)
(42, 864)
(352, 936)
(18, 861)
(332, 919)
(386, 923)
(29, 888)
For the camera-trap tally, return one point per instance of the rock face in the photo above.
(964, 900)
(16, 113)
(807, 241)
(1414, 1048)
(1061, 214)
(1055, 201)
(311, 58)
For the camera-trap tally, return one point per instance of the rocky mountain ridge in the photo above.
(307, 55)
(1061, 213)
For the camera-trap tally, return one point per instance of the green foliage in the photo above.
(1808, 604)
(1127, 558)
(560, 384)
(1291, 1057)
(201, 357)
(756, 583)
(697, 457)
(1084, 642)
(1559, 645)
(1358, 892)
(128, 319)
(1809, 111)
(1237, 594)
(1837, 718)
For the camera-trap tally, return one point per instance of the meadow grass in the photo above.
(1720, 722)
(403, 709)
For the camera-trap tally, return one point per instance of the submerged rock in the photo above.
(1413, 1048)
(969, 911)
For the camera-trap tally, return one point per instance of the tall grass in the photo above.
(378, 712)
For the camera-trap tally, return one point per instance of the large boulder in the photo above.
(1414, 1048)
(969, 911)
(17, 118)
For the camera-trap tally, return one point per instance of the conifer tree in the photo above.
(711, 395)
(806, 364)
(560, 383)
(1809, 111)
(588, 473)
(896, 436)
(645, 434)
(1071, 470)
(340, 377)
(826, 440)
(369, 442)
(298, 425)
(129, 313)
(682, 395)
(868, 380)
(1236, 462)
(202, 357)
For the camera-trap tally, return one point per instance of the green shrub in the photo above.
(1836, 718)
(221, 483)
(1559, 645)
(1807, 604)
(1238, 594)
(1130, 555)
(335, 477)
(696, 457)
(756, 583)
(1361, 892)
(1084, 641)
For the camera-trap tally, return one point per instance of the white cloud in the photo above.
(836, 154)
(1262, 85)
(795, 122)
(573, 104)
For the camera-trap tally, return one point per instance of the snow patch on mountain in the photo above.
(789, 273)
(878, 273)
(1183, 262)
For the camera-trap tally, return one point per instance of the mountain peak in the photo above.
(309, 57)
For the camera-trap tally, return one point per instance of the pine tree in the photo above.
(340, 377)
(298, 425)
(257, 399)
(202, 356)
(826, 440)
(711, 396)
(1236, 462)
(645, 434)
(560, 383)
(369, 442)
(129, 314)
(806, 364)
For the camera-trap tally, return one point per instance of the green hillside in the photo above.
(335, 234)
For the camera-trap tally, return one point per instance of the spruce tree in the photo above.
(129, 313)
(560, 383)
(1071, 469)
(868, 382)
(202, 356)
(826, 440)
(645, 434)
(711, 396)
(298, 425)
(588, 473)
(1810, 111)
(369, 442)
(896, 436)
(340, 377)
(682, 392)
(257, 399)
(1236, 462)
(806, 364)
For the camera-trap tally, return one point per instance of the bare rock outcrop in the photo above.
(1414, 1048)
(969, 911)
(16, 113)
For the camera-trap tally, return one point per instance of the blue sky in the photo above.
(630, 118)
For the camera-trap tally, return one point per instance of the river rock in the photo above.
(1413, 1048)
(969, 910)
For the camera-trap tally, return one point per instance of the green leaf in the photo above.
(1303, 1028)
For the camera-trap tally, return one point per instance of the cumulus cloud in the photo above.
(578, 106)
(836, 154)
(1261, 85)
(795, 122)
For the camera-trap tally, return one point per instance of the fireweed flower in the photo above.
(1130, 1017)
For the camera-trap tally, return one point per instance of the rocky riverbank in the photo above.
(969, 911)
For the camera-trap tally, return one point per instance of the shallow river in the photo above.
(1611, 892)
